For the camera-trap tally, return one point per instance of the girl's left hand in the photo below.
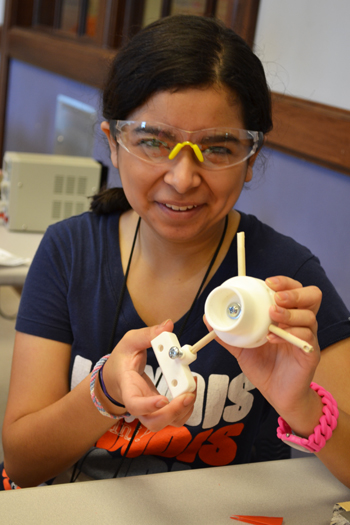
(281, 371)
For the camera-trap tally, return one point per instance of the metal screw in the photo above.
(175, 352)
(234, 310)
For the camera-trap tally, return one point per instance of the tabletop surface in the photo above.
(19, 244)
(301, 490)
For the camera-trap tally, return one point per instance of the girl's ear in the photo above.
(112, 143)
(249, 174)
(251, 161)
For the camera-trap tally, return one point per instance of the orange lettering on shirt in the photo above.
(223, 449)
(168, 442)
(189, 455)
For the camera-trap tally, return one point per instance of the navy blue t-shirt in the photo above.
(71, 295)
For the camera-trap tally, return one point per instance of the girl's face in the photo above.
(180, 200)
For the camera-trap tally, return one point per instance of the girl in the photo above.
(186, 107)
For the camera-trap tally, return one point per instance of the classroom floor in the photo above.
(9, 301)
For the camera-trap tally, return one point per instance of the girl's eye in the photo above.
(219, 154)
(217, 150)
(153, 143)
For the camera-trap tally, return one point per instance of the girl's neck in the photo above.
(168, 273)
(169, 257)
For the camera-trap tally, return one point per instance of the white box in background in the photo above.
(38, 189)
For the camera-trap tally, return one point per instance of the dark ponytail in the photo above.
(109, 201)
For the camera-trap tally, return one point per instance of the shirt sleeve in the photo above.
(333, 317)
(43, 309)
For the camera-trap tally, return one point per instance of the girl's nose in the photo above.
(183, 172)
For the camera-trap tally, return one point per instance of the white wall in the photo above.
(2, 9)
(304, 46)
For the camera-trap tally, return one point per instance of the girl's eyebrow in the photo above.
(225, 137)
(155, 130)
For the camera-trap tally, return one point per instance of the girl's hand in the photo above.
(281, 371)
(127, 382)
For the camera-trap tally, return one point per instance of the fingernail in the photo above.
(278, 309)
(188, 400)
(165, 322)
(283, 296)
(162, 403)
(273, 280)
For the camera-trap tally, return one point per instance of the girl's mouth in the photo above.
(180, 208)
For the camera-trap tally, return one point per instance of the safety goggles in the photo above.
(214, 148)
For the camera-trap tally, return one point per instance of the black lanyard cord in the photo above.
(116, 319)
(213, 259)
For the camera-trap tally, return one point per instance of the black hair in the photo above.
(179, 52)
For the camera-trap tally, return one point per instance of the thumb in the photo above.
(140, 340)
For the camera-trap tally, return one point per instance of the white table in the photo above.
(301, 490)
(20, 244)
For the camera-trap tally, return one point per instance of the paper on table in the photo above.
(341, 514)
(258, 520)
(8, 259)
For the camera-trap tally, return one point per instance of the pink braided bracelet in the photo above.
(96, 401)
(322, 432)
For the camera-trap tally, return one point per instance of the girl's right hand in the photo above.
(126, 381)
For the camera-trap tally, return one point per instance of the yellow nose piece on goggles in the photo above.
(180, 145)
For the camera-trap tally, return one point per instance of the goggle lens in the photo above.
(158, 143)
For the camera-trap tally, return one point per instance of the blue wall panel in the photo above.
(309, 203)
(31, 108)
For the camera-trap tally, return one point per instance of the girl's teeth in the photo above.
(180, 208)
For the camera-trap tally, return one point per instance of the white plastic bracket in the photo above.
(173, 361)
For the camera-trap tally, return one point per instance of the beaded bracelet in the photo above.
(322, 432)
(95, 401)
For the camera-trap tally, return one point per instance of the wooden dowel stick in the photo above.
(291, 338)
(202, 342)
(241, 254)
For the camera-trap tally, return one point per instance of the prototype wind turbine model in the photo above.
(238, 312)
